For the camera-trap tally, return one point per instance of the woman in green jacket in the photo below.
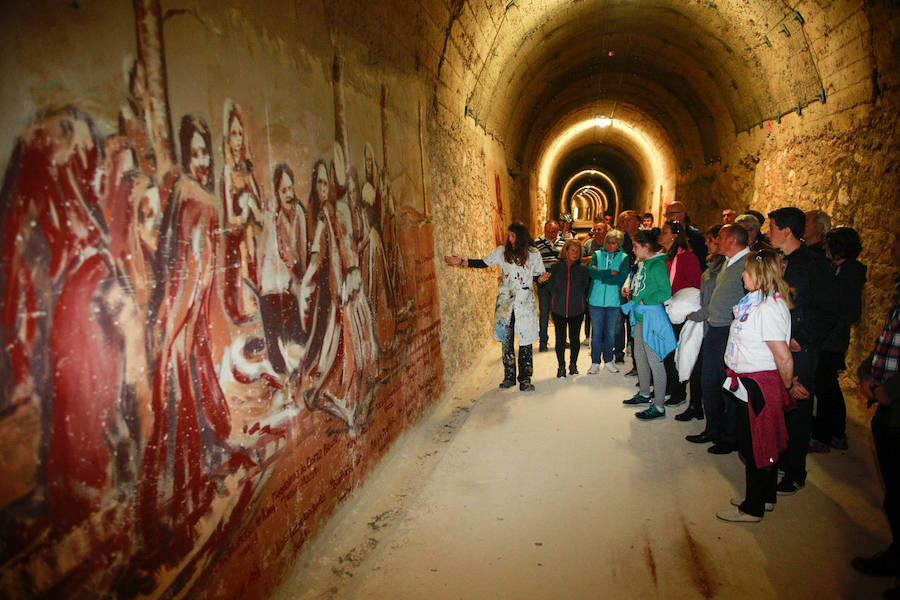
(650, 286)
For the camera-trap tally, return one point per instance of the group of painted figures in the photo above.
(119, 277)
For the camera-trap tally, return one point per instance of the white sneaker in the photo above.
(611, 367)
(769, 506)
(595, 368)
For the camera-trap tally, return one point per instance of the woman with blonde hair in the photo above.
(760, 374)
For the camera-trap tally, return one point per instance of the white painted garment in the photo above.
(516, 294)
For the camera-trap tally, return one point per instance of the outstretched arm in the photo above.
(475, 263)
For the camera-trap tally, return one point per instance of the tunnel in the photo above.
(223, 293)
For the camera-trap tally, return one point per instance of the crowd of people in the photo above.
(750, 329)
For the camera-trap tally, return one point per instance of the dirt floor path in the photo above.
(562, 493)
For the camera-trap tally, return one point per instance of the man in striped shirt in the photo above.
(549, 246)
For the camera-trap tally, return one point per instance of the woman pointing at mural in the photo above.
(515, 312)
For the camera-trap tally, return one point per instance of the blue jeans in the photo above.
(605, 321)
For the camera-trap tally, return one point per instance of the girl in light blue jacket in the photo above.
(608, 270)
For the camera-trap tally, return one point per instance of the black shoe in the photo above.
(526, 386)
(561, 372)
(632, 372)
(700, 438)
(883, 564)
(787, 487)
(507, 383)
(543, 348)
(637, 399)
(688, 414)
(573, 370)
(620, 359)
(675, 401)
(721, 448)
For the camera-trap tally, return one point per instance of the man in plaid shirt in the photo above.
(549, 246)
(880, 383)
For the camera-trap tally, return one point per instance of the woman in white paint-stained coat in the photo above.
(516, 311)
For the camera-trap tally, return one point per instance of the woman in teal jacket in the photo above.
(608, 270)
(653, 336)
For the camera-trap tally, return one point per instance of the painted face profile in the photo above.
(200, 159)
(370, 163)
(285, 192)
(352, 191)
(322, 184)
(236, 137)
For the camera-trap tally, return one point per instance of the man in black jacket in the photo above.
(812, 318)
(675, 211)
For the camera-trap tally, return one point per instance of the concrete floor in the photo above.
(562, 493)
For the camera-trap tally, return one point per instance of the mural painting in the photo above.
(499, 221)
(173, 332)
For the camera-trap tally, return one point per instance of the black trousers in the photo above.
(675, 388)
(544, 299)
(573, 325)
(526, 358)
(718, 406)
(622, 336)
(799, 420)
(280, 314)
(695, 382)
(831, 411)
(887, 448)
(760, 482)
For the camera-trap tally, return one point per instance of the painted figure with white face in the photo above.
(196, 150)
(373, 259)
(278, 306)
(242, 218)
(343, 387)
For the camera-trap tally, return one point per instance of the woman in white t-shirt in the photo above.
(515, 312)
(760, 373)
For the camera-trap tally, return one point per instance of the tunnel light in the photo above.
(603, 122)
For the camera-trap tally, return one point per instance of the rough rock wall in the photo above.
(842, 156)
(464, 167)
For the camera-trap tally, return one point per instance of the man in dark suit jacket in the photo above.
(813, 316)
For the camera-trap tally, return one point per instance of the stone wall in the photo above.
(841, 156)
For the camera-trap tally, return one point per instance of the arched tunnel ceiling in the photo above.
(698, 66)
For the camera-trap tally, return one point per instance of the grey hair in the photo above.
(820, 217)
(748, 221)
(615, 233)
